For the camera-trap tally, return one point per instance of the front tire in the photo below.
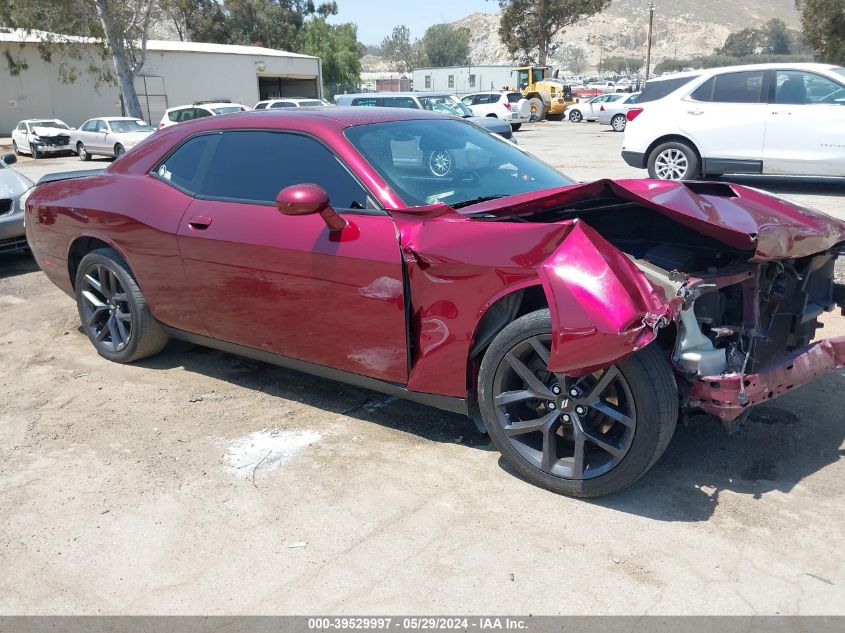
(581, 437)
(538, 111)
(82, 152)
(673, 161)
(15, 147)
(34, 151)
(119, 150)
(575, 116)
(618, 123)
(113, 310)
(516, 126)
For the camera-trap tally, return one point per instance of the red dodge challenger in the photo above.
(573, 322)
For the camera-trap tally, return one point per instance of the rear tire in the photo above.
(113, 310)
(618, 123)
(15, 147)
(622, 417)
(538, 111)
(516, 126)
(674, 160)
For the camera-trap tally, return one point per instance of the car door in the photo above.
(19, 136)
(726, 119)
(98, 136)
(286, 284)
(805, 125)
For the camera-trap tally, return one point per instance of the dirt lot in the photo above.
(198, 482)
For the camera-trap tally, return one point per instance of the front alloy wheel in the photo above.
(575, 116)
(584, 435)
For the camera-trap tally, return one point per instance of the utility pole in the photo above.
(651, 7)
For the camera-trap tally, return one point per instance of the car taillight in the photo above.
(633, 113)
(507, 105)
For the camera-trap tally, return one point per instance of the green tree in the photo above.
(119, 28)
(743, 43)
(196, 20)
(574, 59)
(823, 25)
(528, 27)
(337, 46)
(627, 66)
(778, 38)
(446, 45)
(399, 49)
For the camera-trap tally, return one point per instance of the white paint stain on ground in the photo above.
(267, 450)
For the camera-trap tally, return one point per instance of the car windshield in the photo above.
(449, 161)
(447, 104)
(126, 126)
(226, 109)
(57, 124)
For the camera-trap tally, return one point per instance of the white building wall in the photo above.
(173, 78)
(486, 78)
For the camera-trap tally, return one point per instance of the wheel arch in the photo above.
(500, 311)
(83, 245)
(669, 138)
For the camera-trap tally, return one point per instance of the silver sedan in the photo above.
(13, 187)
(615, 113)
(108, 136)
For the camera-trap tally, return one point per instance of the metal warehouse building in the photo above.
(174, 73)
(464, 79)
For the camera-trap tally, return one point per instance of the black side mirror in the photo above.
(9, 159)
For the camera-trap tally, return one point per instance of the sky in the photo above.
(376, 18)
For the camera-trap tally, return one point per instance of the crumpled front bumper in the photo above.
(729, 395)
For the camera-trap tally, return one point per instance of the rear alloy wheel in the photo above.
(618, 123)
(440, 163)
(585, 436)
(119, 150)
(113, 311)
(575, 116)
(82, 152)
(673, 161)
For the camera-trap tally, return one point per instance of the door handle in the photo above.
(199, 222)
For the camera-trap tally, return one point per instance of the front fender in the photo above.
(602, 305)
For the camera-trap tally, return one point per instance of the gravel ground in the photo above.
(199, 482)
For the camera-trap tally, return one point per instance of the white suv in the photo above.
(198, 110)
(510, 106)
(777, 119)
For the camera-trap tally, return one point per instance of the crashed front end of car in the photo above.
(728, 280)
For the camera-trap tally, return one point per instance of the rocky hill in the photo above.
(682, 28)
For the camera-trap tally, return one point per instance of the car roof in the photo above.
(219, 104)
(398, 94)
(729, 69)
(41, 119)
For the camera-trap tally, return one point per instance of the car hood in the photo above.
(493, 124)
(13, 184)
(744, 218)
(42, 130)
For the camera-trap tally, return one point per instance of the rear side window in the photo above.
(514, 97)
(366, 101)
(261, 106)
(655, 90)
(253, 166)
(742, 87)
(182, 167)
(399, 102)
(178, 116)
(282, 104)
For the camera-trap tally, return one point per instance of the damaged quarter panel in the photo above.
(601, 304)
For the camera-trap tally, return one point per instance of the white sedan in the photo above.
(589, 110)
(108, 136)
(40, 137)
(508, 106)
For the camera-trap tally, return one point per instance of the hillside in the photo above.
(682, 28)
